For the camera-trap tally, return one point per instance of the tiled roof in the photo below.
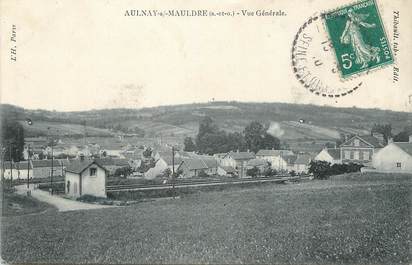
(371, 140)
(121, 162)
(290, 159)
(303, 159)
(22, 165)
(256, 162)
(45, 163)
(242, 155)
(169, 160)
(79, 166)
(194, 164)
(407, 147)
(273, 152)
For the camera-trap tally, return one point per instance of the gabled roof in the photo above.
(169, 160)
(407, 147)
(194, 164)
(368, 139)
(80, 166)
(241, 155)
(265, 152)
(303, 159)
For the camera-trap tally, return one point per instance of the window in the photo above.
(93, 171)
(351, 154)
(398, 164)
(347, 154)
(356, 142)
(356, 155)
(366, 156)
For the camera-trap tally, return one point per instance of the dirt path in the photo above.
(60, 203)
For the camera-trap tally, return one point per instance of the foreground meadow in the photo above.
(323, 222)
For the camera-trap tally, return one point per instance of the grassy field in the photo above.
(16, 205)
(319, 222)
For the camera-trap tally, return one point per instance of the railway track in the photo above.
(189, 183)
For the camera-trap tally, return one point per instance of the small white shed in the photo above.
(85, 178)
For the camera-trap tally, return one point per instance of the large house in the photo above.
(85, 177)
(192, 167)
(278, 159)
(238, 160)
(360, 149)
(395, 157)
(331, 155)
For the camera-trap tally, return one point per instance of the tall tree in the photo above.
(12, 139)
(256, 137)
(384, 129)
(189, 144)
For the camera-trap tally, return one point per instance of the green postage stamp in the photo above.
(358, 37)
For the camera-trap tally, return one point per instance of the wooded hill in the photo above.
(290, 121)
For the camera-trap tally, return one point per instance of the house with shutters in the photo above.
(85, 177)
(360, 149)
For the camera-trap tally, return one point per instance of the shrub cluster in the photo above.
(323, 169)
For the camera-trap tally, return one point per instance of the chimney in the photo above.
(410, 139)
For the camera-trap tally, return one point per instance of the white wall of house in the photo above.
(94, 185)
(391, 158)
(325, 156)
(300, 168)
(158, 169)
(91, 185)
(228, 162)
(278, 163)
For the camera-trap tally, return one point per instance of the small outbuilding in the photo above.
(85, 177)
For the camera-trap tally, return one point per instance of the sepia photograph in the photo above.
(206, 132)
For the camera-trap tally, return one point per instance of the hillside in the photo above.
(320, 122)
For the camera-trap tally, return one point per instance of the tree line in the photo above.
(211, 139)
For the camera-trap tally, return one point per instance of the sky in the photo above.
(81, 55)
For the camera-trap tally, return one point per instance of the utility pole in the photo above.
(173, 171)
(28, 166)
(51, 173)
(11, 165)
(52, 168)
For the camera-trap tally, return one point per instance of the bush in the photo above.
(323, 169)
(253, 172)
(202, 174)
(90, 198)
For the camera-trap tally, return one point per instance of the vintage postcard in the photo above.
(205, 132)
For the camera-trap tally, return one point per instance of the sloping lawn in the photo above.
(14, 205)
(321, 222)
